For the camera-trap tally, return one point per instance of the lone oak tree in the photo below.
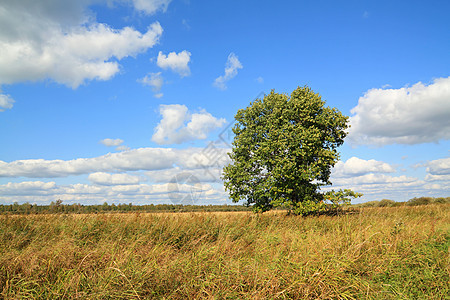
(283, 151)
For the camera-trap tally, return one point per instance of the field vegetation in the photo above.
(366, 253)
(59, 207)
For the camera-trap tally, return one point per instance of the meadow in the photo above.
(367, 253)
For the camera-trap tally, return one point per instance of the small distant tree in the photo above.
(283, 151)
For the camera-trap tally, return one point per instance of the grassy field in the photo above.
(374, 253)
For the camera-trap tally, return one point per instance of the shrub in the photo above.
(419, 201)
(397, 204)
(441, 200)
(386, 203)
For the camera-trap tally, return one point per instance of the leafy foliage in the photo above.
(337, 199)
(283, 151)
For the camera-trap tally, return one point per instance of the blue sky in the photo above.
(129, 100)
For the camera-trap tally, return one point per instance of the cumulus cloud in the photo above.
(61, 41)
(102, 178)
(111, 142)
(176, 62)
(439, 167)
(409, 115)
(6, 102)
(439, 170)
(356, 167)
(62, 59)
(155, 81)
(178, 125)
(231, 70)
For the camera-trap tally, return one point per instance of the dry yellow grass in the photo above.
(378, 253)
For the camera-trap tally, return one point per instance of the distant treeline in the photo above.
(77, 208)
(59, 207)
(410, 202)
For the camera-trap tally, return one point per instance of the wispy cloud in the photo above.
(151, 6)
(155, 81)
(6, 102)
(231, 70)
(111, 142)
(115, 143)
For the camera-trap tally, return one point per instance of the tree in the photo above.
(283, 151)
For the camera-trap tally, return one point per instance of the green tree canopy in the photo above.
(283, 151)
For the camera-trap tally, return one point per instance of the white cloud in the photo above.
(431, 177)
(111, 142)
(115, 143)
(231, 70)
(205, 174)
(155, 81)
(137, 159)
(211, 156)
(110, 180)
(379, 180)
(176, 62)
(260, 80)
(40, 192)
(61, 41)
(366, 175)
(409, 115)
(151, 6)
(356, 167)
(144, 159)
(376, 186)
(371, 179)
(102, 178)
(122, 148)
(439, 166)
(6, 102)
(439, 171)
(26, 187)
(173, 130)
